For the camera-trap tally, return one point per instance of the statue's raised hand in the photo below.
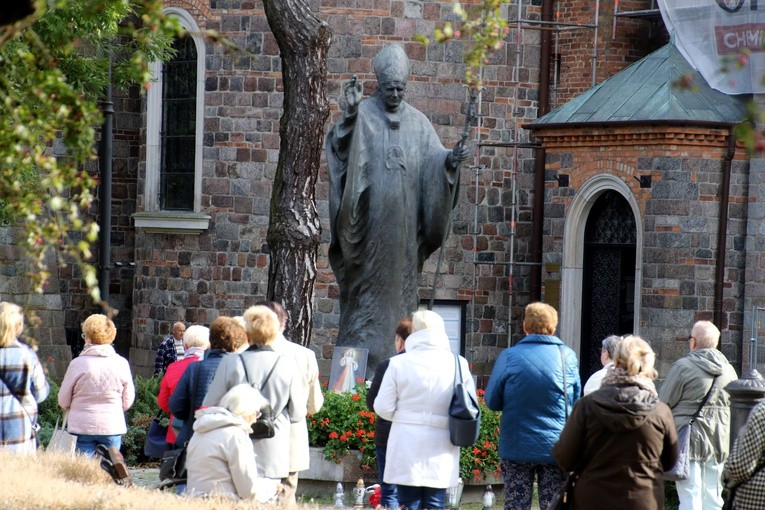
(352, 93)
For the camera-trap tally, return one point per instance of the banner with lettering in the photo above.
(723, 39)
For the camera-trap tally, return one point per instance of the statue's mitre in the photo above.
(391, 64)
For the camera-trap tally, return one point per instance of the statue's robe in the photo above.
(389, 201)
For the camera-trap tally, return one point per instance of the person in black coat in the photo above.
(382, 427)
(226, 336)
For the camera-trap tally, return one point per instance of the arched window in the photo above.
(174, 137)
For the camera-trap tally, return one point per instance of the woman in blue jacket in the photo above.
(527, 385)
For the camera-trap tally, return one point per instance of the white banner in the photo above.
(723, 39)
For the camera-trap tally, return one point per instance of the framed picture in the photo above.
(349, 367)
(453, 312)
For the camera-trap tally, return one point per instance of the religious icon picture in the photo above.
(349, 366)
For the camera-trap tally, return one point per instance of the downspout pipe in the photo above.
(105, 193)
(537, 225)
(722, 230)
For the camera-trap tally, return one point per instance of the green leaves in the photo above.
(54, 72)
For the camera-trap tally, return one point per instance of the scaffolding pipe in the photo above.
(595, 44)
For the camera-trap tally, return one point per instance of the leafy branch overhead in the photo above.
(483, 27)
(55, 68)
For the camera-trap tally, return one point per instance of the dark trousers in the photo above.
(388, 491)
(421, 498)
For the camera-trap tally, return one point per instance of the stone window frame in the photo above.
(572, 270)
(153, 218)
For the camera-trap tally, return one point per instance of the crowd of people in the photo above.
(616, 436)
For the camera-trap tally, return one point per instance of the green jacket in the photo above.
(687, 382)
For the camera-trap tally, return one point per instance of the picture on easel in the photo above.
(349, 367)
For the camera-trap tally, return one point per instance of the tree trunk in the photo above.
(294, 232)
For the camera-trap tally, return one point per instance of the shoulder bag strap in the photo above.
(703, 401)
(565, 383)
(247, 375)
(271, 371)
(457, 370)
(244, 366)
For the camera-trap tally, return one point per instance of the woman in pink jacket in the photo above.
(97, 389)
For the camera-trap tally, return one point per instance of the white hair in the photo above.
(243, 400)
(197, 336)
(427, 319)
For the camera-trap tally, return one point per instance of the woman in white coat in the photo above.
(415, 395)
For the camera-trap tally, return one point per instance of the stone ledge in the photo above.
(172, 222)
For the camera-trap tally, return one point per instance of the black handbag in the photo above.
(173, 466)
(155, 444)
(263, 428)
(464, 412)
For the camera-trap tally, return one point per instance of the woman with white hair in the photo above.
(266, 370)
(220, 458)
(196, 340)
(414, 395)
(23, 384)
(620, 439)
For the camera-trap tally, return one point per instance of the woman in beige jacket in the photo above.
(220, 458)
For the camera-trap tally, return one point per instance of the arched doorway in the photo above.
(608, 276)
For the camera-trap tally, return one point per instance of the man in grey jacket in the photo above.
(688, 381)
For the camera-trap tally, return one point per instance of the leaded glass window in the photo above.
(178, 128)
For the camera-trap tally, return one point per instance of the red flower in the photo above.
(343, 438)
(355, 397)
(360, 433)
(476, 451)
(333, 435)
(487, 444)
(481, 393)
(476, 473)
(359, 380)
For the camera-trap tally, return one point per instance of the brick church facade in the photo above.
(617, 225)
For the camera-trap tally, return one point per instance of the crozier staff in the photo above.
(390, 200)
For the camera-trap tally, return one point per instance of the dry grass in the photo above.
(52, 481)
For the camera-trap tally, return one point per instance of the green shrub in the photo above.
(139, 417)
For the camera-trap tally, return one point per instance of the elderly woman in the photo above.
(414, 395)
(196, 340)
(265, 370)
(620, 439)
(534, 383)
(226, 336)
(97, 388)
(220, 458)
(23, 384)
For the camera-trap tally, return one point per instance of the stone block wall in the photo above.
(195, 278)
(680, 214)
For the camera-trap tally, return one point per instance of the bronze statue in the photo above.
(390, 199)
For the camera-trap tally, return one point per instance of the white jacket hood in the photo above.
(427, 339)
(211, 418)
